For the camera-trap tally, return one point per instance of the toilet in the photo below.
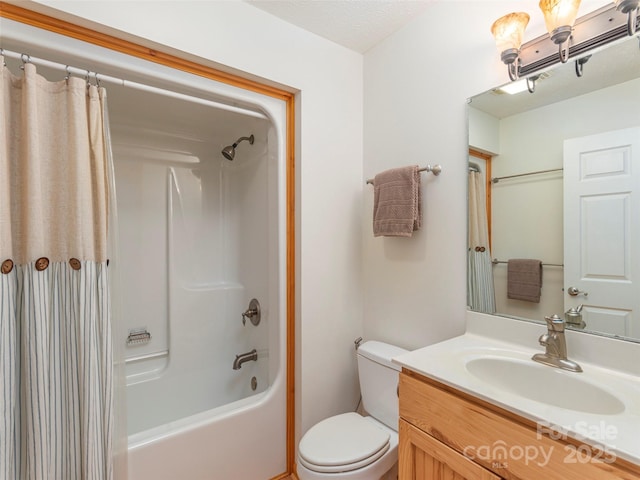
(355, 447)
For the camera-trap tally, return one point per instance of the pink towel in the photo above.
(397, 210)
(524, 279)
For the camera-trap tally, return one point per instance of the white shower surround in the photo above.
(213, 443)
(194, 249)
(194, 393)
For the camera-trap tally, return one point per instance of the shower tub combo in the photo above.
(198, 254)
(200, 302)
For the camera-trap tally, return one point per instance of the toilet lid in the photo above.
(342, 443)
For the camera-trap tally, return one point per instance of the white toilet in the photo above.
(350, 446)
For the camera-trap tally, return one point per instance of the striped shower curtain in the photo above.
(480, 289)
(56, 373)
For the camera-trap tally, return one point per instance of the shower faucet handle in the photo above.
(248, 314)
(252, 313)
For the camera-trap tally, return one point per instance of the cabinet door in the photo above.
(422, 457)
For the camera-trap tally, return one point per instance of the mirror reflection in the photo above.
(553, 196)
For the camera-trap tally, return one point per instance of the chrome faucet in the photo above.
(245, 357)
(555, 346)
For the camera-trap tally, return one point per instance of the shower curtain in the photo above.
(480, 289)
(56, 372)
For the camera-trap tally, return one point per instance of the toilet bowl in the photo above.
(347, 446)
(351, 446)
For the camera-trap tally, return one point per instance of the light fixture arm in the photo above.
(580, 65)
(563, 52)
(631, 21)
(561, 36)
(511, 59)
(531, 83)
(513, 71)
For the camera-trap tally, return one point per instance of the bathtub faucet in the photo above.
(245, 357)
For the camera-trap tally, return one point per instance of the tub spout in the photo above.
(245, 357)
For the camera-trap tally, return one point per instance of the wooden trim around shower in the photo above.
(52, 24)
(62, 27)
(487, 187)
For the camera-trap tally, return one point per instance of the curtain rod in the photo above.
(436, 170)
(495, 261)
(497, 179)
(99, 77)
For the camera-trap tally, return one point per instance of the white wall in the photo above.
(416, 85)
(484, 131)
(329, 167)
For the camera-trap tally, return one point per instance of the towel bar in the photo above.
(436, 170)
(495, 261)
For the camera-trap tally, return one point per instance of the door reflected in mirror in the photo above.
(560, 173)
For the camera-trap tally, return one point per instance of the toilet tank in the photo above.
(379, 381)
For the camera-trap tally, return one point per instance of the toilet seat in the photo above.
(343, 443)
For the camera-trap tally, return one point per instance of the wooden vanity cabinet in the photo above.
(446, 434)
(423, 457)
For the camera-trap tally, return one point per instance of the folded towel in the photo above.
(524, 279)
(397, 210)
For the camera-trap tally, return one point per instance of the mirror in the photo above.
(565, 164)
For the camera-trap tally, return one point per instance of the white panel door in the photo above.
(602, 229)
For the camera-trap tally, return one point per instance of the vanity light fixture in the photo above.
(630, 7)
(508, 32)
(586, 33)
(559, 17)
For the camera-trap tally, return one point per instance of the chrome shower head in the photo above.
(230, 151)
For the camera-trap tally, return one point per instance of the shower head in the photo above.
(230, 151)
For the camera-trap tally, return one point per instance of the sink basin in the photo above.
(544, 384)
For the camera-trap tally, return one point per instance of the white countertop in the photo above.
(616, 434)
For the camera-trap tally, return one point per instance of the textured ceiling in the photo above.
(355, 24)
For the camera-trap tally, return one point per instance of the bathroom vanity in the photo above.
(448, 434)
(477, 407)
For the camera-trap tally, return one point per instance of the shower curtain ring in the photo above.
(25, 59)
(68, 70)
